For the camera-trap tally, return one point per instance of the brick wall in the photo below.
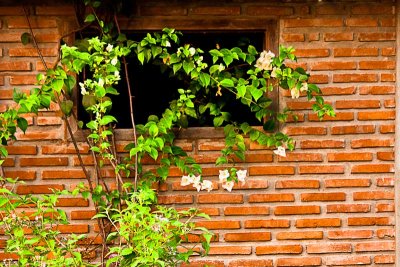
(328, 203)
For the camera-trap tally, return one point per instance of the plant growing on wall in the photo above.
(134, 229)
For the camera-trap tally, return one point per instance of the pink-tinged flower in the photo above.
(228, 185)
(273, 72)
(265, 60)
(223, 175)
(197, 186)
(241, 175)
(280, 150)
(295, 93)
(207, 185)
(186, 180)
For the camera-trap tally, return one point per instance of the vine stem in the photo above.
(87, 175)
(130, 106)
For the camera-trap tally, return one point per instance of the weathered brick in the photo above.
(261, 10)
(377, 65)
(361, 22)
(373, 195)
(296, 184)
(385, 182)
(355, 52)
(300, 130)
(346, 78)
(350, 234)
(21, 175)
(272, 223)
(349, 156)
(248, 263)
(328, 248)
(299, 235)
(331, 9)
(38, 189)
(69, 174)
(372, 168)
(64, 10)
(337, 37)
(247, 237)
(384, 259)
(388, 51)
(337, 196)
(376, 36)
(260, 198)
(293, 37)
(371, 9)
(312, 52)
(348, 104)
(82, 214)
(377, 115)
(175, 199)
(333, 65)
(36, 22)
(374, 246)
(386, 129)
(320, 169)
(318, 144)
(334, 90)
(297, 210)
(300, 157)
(42, 161)
(385, 207)
(301, 23)
(220, 198)
(385, 156)
(388, 77)
(72, 202)
(314, 223)
(21, 150)
(230, 250)
(338, 183)
(377, 90)
(369, 221)
(348, 208)
(15, 66)
(279, 249)
(165, 10)
(216, 10)
(362, 143)
(347, 260)
(340, 116)
(32, 52)
(271, 170)
(213, 225)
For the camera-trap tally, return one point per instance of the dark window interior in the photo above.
(153, 88)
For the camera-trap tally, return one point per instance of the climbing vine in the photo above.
(134, 229)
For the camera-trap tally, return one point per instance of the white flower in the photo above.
(83, 89)
(100, 82)
(195, 179)
(167, 44)
(109, 47)
(223, 175)
(186, 180)
(192, 51)
(228, 185)
(241, 175)
(273, 73)
(265, 60)
(221, 67)
(114, 61)
(295, 93)
(116, 74)
(197, 186)
(178, 52)
(280, 151)
(198, 62)
(207, 185)
(304, 87)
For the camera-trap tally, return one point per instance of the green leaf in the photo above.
(227, 83)
(241, 89)
(153, 130)
(256, 93)
(26, 38)
(66, 107)
(218, 121)
(22, 124)
(269, 125)
(57, 84)
(90, 18)
(107, 119)
(176, 67)
(205, 79)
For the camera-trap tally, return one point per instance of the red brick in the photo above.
(247, 237)
(300, 157)
(369, 221)
(65, 10)
(21, 175)
(165, 10)
(300, 130)
(69, 174)
(371, 9)
(349, 104)
(297, 210)
(251, 184)
(36, 22)
(267, 10)
(330, 9)
(220, 198)
(246, 211)
(260, 198)
(372, 168)
(377, 115)
(251, 224)
(328, 248)
(340, 116)
(21, 150)
(350, 234)
(355, 52)
(11, 10)
(215, 10)
(321, 169)
(347, 260)
(304, 261)
(362, 143)
(333, 90)
(43, 121)
(388, 22)
(299, 235)
(175, 199)
(337, 37)
(386, 233)
(73, 228)
(82, 214)
(373, 195)
(374, 246)
(361, 22)
(361, 156)
(259, 157)
(388, 182)
(296, 184)
(377, 90)
(313, 36)
(279, 249)
(339, 183)
(333, 65)
(38, 189)
(348, 208)
(293, 37)
(337, 196)
(384, 207)
(384, 259)
(318, 144)
(313, 223)
(376, 36)
(249, 263)
(385, 156)
(389, 103)
(40, 161)
(346, 78)
(32, 52)
(312, 52)
(388, 77)
(377, 65)
(72, 202)
(318, 78)
(301, 23)
(15, 66)
(388, 51)
(271, 170)
(230, 250)
(33, 135)
(213, 225)
(386, 129)
(23, 80)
